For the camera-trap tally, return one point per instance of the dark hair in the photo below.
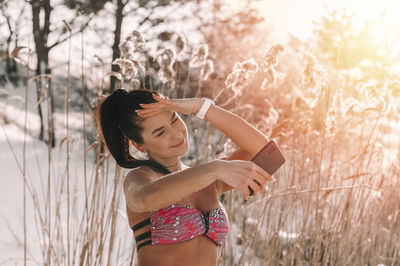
(118, 122)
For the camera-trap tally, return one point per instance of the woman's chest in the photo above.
(175, 224)
(203, 200)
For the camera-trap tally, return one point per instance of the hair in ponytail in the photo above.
(118, 122)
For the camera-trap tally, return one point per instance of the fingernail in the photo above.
(141, 104)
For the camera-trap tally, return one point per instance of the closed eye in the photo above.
(162, 132)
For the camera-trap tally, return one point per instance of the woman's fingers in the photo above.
(258, 180)
(150, 109)
(252, 191)
(184, 106)
(255, 187)
(246, 176)
(147, 113)
(159, 106)
(246, 193)
(148, 105)
(156, 105)
(263, 173)
(158, 98)
(161, 103)
(261, 181)
(259, 184)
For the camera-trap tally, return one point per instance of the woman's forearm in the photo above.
(237, 129)
(173, 187)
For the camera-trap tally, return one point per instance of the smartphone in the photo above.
(269, 158)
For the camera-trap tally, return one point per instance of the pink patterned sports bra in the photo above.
(177, 223)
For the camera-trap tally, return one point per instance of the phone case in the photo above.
(269, 158)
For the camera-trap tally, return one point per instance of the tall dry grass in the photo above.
(333, 203)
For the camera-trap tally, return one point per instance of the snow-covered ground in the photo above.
(12, 117)
(11, 193)
(11, 189)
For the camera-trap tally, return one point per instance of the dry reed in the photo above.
(330, 206)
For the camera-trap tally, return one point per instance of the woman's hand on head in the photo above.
(242, 175)
(183, 106)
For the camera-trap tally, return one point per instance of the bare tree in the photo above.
(119, 16)
(120, 13)
(41, 31)
(142, 10)
(12, 27)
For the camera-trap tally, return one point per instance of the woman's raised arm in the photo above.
(247, 137)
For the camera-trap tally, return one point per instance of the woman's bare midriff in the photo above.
(197, 251)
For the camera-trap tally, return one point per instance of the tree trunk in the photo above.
(36, 36)
(11, 67)
(40, 36)
(119, 16)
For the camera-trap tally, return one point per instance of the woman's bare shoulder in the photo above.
(139, 176)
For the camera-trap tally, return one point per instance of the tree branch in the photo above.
(67, 36)
(7, 19)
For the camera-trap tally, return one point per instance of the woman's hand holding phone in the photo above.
(269, 158)
(243, 175)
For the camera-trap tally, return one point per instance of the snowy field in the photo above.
(37, 170)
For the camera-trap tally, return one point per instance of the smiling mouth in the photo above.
(179, 144)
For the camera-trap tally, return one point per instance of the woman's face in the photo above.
(165, 135)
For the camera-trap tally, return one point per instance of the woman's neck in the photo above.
(172, 165)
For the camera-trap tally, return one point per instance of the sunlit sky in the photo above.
(296, 16)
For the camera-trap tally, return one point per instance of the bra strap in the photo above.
(142, 245)
(160, 168)
(143, 236)
(141, 224)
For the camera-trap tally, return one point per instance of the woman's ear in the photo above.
(138, 146)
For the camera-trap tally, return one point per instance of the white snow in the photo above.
(11, 190)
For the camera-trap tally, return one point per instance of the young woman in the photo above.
(174, 210)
